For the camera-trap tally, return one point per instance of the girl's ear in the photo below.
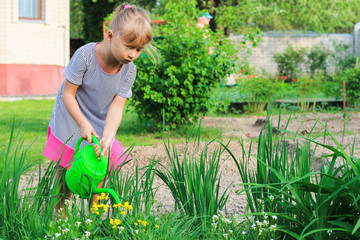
(110, 34)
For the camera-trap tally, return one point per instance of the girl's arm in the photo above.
(112, 123)
(72, 106)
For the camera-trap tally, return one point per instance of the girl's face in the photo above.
(124, 53)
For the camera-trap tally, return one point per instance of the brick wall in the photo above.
(43, 42)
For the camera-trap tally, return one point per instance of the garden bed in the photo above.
(247, 128)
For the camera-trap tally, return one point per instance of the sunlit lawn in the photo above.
(32, 118)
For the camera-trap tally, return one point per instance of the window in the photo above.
(30, 9)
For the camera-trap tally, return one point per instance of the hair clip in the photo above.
(127, 6)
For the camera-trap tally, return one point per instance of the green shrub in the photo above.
(290, 61)
(317, 57)
(352, 80)
(258, 91)
(178, 89)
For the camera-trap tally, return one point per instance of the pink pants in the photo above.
(55, 150)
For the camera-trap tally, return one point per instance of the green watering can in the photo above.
(87, 171)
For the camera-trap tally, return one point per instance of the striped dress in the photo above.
(94, 95)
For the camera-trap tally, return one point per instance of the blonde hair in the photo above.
(132, 25)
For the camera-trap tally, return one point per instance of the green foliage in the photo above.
(76, 19)
(317, 57)
(308, 202)
(258, 92)
(308, 87)
(177, 90)
(290, 61)
(352, 80)
(94, 13)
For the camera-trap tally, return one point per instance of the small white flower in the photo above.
(221, 213)
(78, 224)
(120, 229)
(156, 219)
(226, 235)
(271, 198)
(59, 227)
(230, 231)
(253, 226)
(214, 225)
(87, 221)
(87, 234)
(228, 221)
(260, 200)
(266, 222)
(215, 218)
(65, 230)
(137, 231)
(274, 217)
(272, 227)
(260, 232)
(243, 233)
(57, 235)
(251, 217)
(329, 232)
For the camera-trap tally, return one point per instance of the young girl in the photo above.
(91, 99)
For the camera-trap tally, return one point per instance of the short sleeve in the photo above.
(74, 71)
(125, 89)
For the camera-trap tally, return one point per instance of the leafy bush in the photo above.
(290, 62)
(352, 80)
(177, 90)
(317, 57)
(258, 92)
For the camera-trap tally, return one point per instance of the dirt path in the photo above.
(246, 128)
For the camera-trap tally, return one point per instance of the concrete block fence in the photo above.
(261, 57)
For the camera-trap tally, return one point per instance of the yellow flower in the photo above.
(139, 220)
(156, 226)
(144, 223)
(136, 224)
(143, 230)
(127, 206)
(123, 212)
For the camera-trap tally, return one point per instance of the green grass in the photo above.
(33, 116)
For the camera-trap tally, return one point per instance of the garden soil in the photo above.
(241, 134)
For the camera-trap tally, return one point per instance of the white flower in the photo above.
(274, 217)
(65, 230)
(221, 213)
(59, 227)
(251, 217)
(260, 200)
(87, 221)
(253, 226)
(137, 231)
(87, 234)
(214, 225)
(329, 232)
(260, 231)
(215, 218)
(266, 222)
(271, 198)
(78, 223)
(230, 231)
(120, 229)
(228, 221)
(226, 235)
(272, 227)
(156, 219)
(57, 235)
(243, 233)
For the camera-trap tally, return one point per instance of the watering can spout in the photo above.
(107, 190)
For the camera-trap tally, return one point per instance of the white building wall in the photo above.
(40, 42)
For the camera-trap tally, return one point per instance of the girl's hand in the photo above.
(86, 130)
(105, 146)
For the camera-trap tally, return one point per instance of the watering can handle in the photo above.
(95, 141)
